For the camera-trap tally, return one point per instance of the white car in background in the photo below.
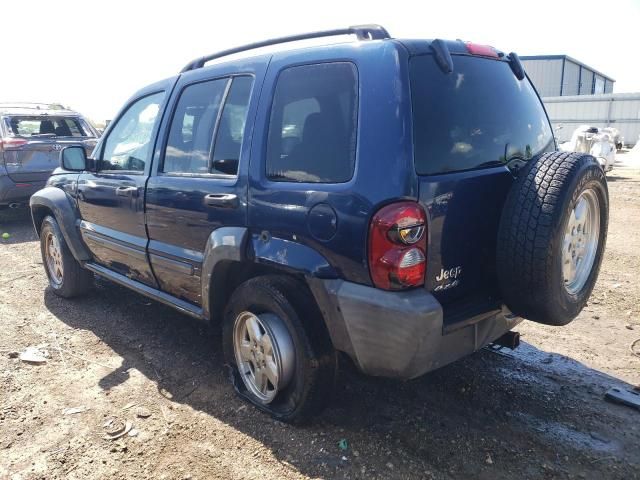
(597, 142)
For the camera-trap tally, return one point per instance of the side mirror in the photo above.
(73, 159)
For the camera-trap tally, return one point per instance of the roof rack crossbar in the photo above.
(362, 32)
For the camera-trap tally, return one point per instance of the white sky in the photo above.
(93, 55)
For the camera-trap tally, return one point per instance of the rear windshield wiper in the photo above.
(47, 135)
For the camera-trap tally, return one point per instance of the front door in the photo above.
(199, 182)
(111, 198)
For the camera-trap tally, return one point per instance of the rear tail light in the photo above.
(12, 142)
(398, 246)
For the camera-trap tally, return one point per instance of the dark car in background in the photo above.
(31, 137)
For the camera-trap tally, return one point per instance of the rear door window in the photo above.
(47, 126)
(191, 133)
(203, 139)
(230, 131)
(312, 130)
(480, 115)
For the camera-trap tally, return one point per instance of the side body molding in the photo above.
(224, 244)
(66, 214)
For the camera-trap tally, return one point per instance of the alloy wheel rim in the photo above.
(581, 241)
(53, 255)
(264, 354)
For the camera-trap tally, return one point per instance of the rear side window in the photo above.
(312, 130)
(49, 126)
(203, 139)
(480, 115)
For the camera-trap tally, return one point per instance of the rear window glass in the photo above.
(480, 115)
(49, 126)
(312, 132)
(191, 137)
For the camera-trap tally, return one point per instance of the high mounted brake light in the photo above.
(398, 246)
(481, 50)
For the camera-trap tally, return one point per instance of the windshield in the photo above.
(47, 126)
(480, 115)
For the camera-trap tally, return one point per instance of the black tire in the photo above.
(532, 231)
(313, 379)
(75, 279)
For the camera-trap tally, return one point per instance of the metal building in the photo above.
(619, 110)
(560, 75)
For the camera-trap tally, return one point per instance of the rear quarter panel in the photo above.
(384, 165)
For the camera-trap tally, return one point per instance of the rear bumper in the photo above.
(400, 334)
(10, 192)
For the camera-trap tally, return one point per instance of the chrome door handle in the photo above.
(224, 200)
(127, 191)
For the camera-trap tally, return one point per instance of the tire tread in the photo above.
(531, 219)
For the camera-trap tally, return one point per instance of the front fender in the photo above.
(61, 206)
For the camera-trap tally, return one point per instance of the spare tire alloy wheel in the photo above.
(264, 354)
(581, 241)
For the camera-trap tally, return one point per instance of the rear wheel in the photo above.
(552, 236)
(278, 350)
(66, 276)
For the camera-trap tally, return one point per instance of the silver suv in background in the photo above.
(31, 137)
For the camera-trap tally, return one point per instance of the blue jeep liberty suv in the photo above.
(398, 203)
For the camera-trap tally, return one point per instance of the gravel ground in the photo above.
(538, 412)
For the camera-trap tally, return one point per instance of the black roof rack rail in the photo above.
(362, 32)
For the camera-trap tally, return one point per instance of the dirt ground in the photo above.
(538, 412)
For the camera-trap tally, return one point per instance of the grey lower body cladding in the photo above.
(400, 334)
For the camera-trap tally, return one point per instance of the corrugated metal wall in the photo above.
(586, 82)
(609, 87)
(619, 110)
(546, 75)
(572, 78)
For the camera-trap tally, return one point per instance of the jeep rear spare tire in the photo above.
(552, 236)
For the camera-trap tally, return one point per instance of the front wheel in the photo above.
(66, 276)
(277, 347)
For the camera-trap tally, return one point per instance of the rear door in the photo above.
(199, 181)
(472, 128)
(111, 198)
(36, 141)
